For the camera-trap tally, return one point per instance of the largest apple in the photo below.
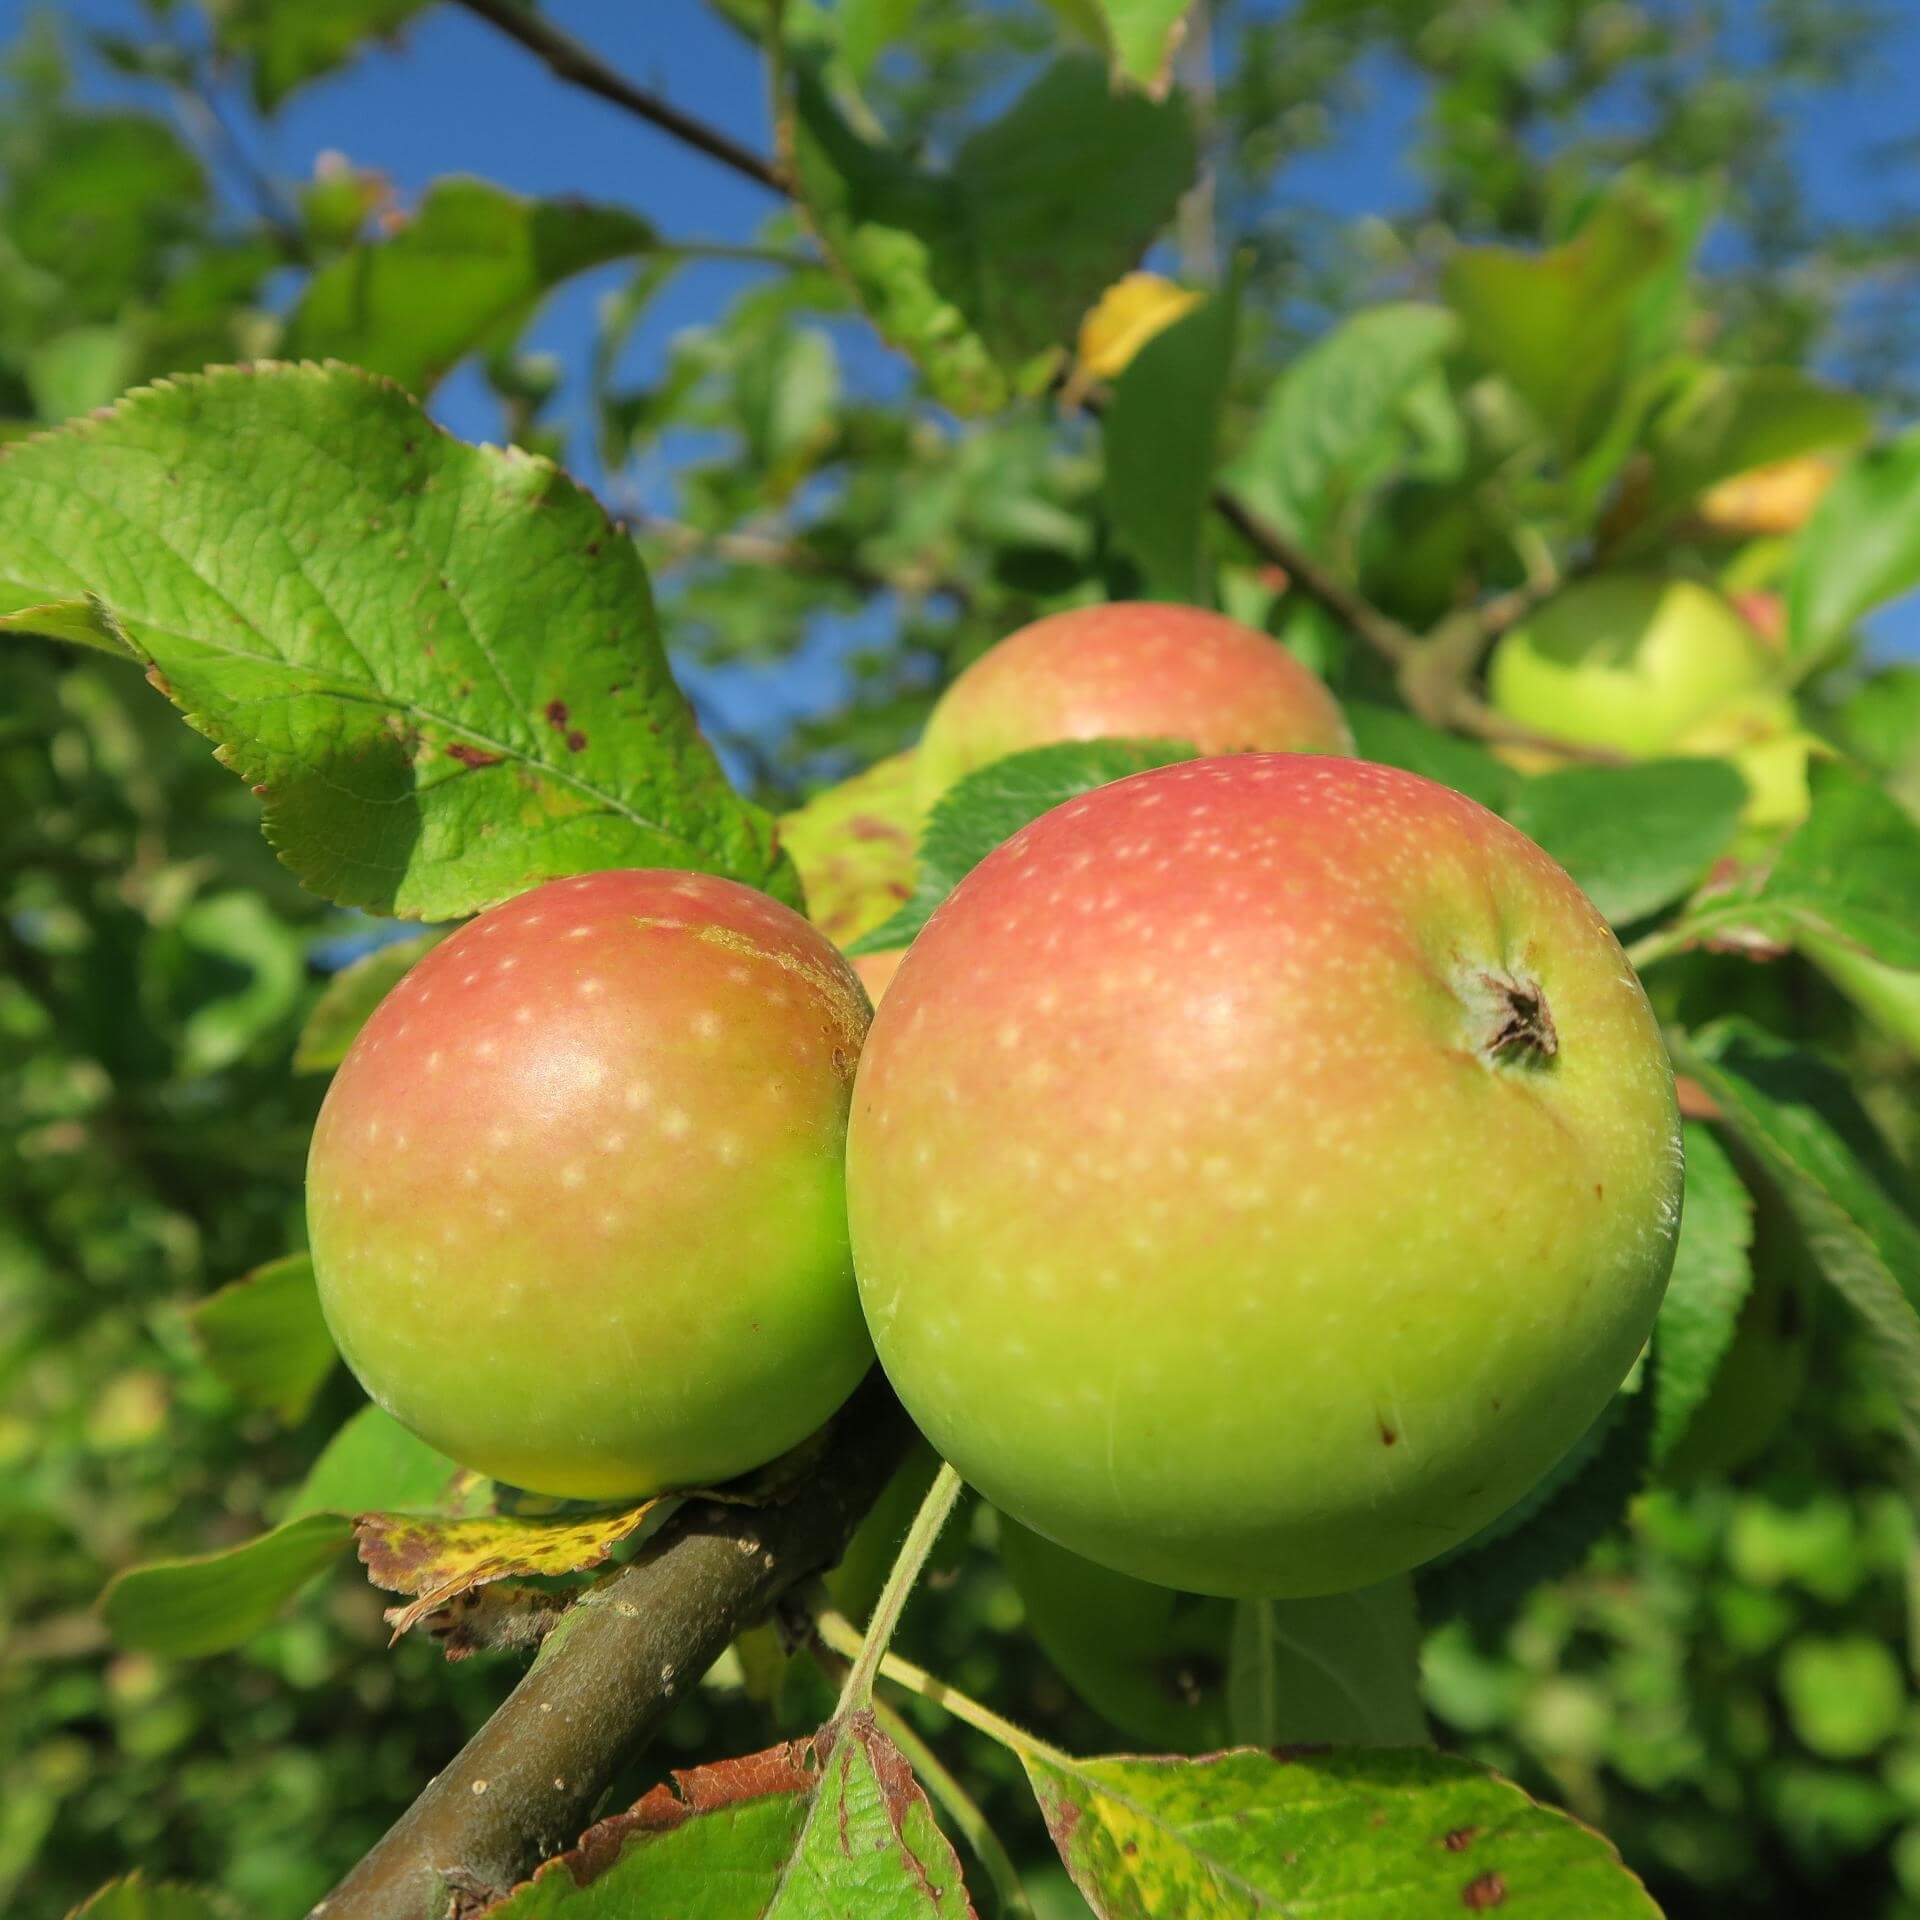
(1261, 1170)
(576, 1198)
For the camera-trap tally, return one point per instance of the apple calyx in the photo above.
(1512, 1020)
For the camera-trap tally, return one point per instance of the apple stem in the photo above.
(934, 1509)
(836, 1631)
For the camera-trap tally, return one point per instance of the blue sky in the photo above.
(455, 96)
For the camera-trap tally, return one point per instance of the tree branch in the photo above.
(610, 1672)
(580, 66)
(1385, 635)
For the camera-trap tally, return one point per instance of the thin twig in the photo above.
(580, 66)
(795, 555)
(839, 1633)
(1385, 635)
(935, 1510)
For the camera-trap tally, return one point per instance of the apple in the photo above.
(575, 1195)
(1261, 1170)
(1762, 1372)
(1152, 1661)
(1627, 661)
(1132, 669)
(1760, 733)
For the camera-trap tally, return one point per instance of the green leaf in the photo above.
(1372, 1835)
(992, 805)
(1711, 1279)
(835, 1825)
(135, 1897)
(77, 623)
(1396, 739)
(238, 941)
(265, 1337)
(349, 998)
(1845, 1696)
(981, 273)
(1160, 432)
(1559, 324)
(213, 1601)
(1146, 1658)
(1852, 871)
(81, 369)
(1634, 837)
(1331, 425)
(1551, 1530)
(373, 1464)
(1732, 420)
(1342, 1670)
(465, 271)
(1798, 1120)
(289, 42)
(1140, 36)
(438, 661)
(788, 395)
(1860, 550)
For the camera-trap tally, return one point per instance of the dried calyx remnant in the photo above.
(1510, 1020)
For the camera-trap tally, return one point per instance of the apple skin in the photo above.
(1209, 1212)
(575, 1195)
(1133, 669)
(1627, 661)
(1760, 734)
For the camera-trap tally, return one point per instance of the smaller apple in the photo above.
(1627, 661)
(1132, 669)
(576, 1196)
(1761, 734)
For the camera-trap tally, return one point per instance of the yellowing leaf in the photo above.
(1774, 499)
(1125, 318)
(438, 1559)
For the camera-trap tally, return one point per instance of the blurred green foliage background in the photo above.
(1720, 1687)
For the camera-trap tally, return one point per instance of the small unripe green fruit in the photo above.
(1261, 1170)
(1132, 669)
(1627, 661)
(576, 1196)
(1761, 734)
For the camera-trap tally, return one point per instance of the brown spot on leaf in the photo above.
(472, 756)
(1483, 1892)
(1387, 1435)
(557, 715)
(575, 741)
(1460, 1839)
